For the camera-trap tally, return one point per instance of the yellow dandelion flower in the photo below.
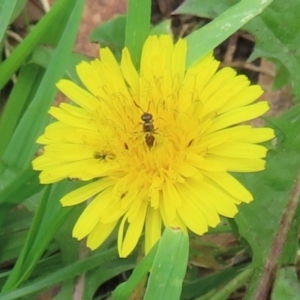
(159, 143)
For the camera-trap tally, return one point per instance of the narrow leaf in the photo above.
(6, 10)
(169, 266)
(137, 27)
(205, 39)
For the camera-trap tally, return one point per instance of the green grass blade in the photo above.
(22, 187)
(38, 34)
(137, 27)
(17, 271)
(124, 290)
(169, 266)
(42, 56)
(50, 220)
(6, 10)
(204, 285)
(4, 211)
(230, 287)
(98, 260)
(204, 40)
(22, 146)
(19, 99)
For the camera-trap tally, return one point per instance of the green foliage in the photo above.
(203, 40)
(140, 272)
(106, 262)
(260, 222)
(111, 34)
(37, 250)
(276, 32)
(286, 285)
(6, 11)
(138, 12)
(166, 276)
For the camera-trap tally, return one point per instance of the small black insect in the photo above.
(100, 155)
(148, 127)
(104, 155)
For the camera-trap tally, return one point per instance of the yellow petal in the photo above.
(84, 193)
(133, 233)
(230, 185)
(152, 228)
(239, 115)
(236, 149)
(78, 95)
(99, 234)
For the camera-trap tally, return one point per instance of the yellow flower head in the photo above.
(158, 142)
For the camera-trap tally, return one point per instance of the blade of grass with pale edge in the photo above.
(169, 266)
(137, 27)
(205, 39)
